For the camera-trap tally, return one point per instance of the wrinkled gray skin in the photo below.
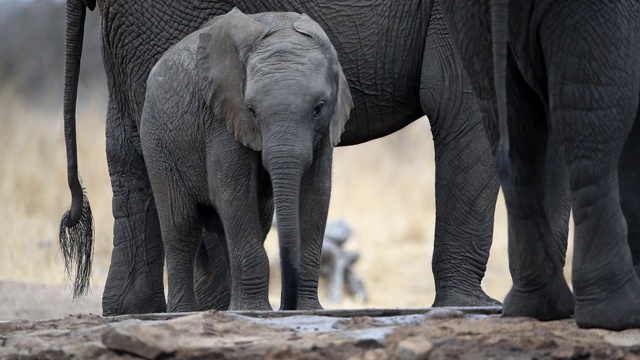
(288, 112)
(397, 58)
(568, 78)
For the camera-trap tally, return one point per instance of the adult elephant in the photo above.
(397, 58)
(563, 74)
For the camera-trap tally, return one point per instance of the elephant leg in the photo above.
(557, 197)
(180, 224)
(466, 182)
(181, 232)
(535, 195)
(594, 105)
(266, 218)
(213, 276)
(234, 184)
(135, 280)
(629, 178)
(248, 260)
(314, 208)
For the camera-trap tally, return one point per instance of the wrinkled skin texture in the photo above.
(572, 84)
(290, 109)
(397, 58)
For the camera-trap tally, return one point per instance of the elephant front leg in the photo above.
(314, 208)
(135, 279)
(213, 276)
(466, 182)
(466, 192)
(248, 259)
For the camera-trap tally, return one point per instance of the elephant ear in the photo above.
(222, 50)
(344, 103)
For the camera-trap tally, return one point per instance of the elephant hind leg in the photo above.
(181, 232)
(135, 279)
(594, 104)
(213, 276)
(536, 253)
(629, 178)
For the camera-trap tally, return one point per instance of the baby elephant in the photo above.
(238, 115)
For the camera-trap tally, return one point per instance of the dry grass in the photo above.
(34, 190)
(384, 188)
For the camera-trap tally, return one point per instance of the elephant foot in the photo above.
(551, 301)
(250, 305)
(308, 299)
(451, 297)
(131, 304)
(617, 310)
(309, 305)
(182, 301)
(212, 295)
(182, 309)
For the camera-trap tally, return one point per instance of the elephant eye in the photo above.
(251, 110)
(317, 110)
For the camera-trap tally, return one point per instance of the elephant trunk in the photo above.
(287, 165)
(76, 225)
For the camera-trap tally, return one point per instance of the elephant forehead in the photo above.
(288, 57)
(283, 77)
(287, 42)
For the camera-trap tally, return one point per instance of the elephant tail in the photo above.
(499, 36)
(76, 225)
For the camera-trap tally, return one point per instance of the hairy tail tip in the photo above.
(76, 245)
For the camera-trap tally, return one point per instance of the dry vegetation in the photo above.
(384, 188)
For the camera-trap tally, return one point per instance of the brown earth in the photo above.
(333, 334)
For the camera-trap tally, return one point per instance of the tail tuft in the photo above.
(76, 245)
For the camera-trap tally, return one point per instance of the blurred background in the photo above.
(384, 189)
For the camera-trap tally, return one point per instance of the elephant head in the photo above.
(245, 63)
(275, 81)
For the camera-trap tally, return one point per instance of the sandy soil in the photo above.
(339, 334)
(30, 301)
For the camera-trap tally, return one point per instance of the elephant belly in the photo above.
(365, 125)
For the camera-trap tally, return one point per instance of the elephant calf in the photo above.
(239, 115)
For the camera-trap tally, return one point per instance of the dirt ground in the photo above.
(41, 322)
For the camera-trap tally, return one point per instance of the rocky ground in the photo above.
(337, 334)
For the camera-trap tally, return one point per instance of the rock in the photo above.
(338, 231)
(358, 322)
(85, 350)
(149, 342)
(414, 348)
(443, 313)
(337, 264)
(25, 342)
(376, 354)
(282, 352)
(627, 338)
(566, 351)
